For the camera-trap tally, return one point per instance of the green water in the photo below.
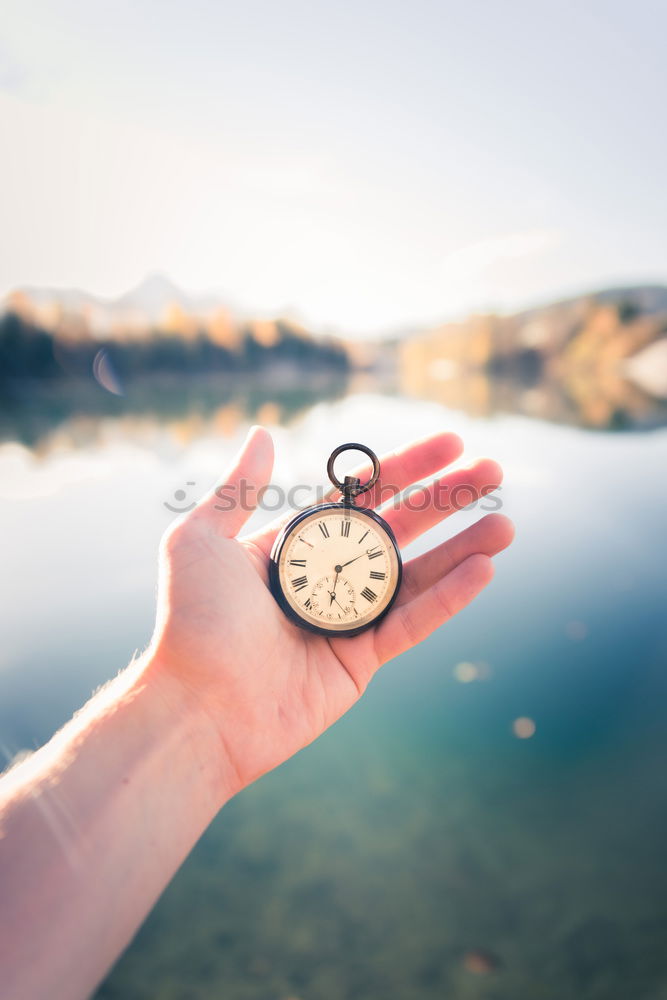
(419, 829)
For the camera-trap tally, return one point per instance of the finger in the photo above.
(409, 624)
(487, 537)
(422, 508)
(398, 470)
(229, 504)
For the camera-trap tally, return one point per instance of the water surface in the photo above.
(419, 829)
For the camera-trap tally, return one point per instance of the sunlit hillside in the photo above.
(600, 360)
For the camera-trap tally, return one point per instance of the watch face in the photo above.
(336, 569)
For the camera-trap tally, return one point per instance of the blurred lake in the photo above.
(420, 849)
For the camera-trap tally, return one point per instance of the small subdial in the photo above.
(333, 598)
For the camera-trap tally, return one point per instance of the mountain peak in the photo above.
(153, 295)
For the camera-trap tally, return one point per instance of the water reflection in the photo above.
(80, 413)
(605, 401)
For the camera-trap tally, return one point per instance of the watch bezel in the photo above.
(274, 569)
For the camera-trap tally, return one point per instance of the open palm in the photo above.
(269, 686)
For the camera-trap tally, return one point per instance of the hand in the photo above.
(228, 689)
(269, 686)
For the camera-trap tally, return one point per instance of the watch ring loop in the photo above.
(352, 487)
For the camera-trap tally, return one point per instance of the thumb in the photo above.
(227, 507)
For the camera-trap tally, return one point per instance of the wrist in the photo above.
(177, 709)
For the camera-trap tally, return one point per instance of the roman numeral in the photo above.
(369, 594)
(308, 605)
(324, 529)
(375, 555)
(298, 562)
(377, 576)
(362, 537)
(345, 529)
(299, 583)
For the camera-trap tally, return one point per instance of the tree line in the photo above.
(30, 351)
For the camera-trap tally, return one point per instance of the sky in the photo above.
(365, 166)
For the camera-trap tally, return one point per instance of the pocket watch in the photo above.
(336, 568)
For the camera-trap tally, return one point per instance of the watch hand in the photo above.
(338, 568)
(332, 592)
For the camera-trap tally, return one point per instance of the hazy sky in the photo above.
(366, 164)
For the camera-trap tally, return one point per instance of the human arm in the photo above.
(96, 823)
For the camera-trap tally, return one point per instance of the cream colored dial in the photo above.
(338, 569)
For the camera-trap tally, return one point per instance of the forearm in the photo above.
(94, 825)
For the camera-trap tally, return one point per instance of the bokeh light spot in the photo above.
(466, 672)
(523, 727)
(480, 962)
